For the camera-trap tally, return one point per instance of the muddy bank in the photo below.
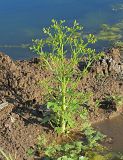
(19, 86)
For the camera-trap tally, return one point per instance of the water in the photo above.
(114, 129)
(23, 20)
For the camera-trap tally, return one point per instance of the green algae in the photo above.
(109, 36)
(117, 7)
(119, 44)
(15, 46)
(112, 33)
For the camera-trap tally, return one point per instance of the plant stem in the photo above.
(63, 123)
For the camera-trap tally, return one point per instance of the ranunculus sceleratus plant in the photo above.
(65, 99)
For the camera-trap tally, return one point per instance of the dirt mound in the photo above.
(16, 137)
(20, 121)
(18, 80)
(18, 86)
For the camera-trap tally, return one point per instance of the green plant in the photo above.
(89, 149)
(99, 76)
(41, 142)
(75, 150)
(64, 98)
(92, 137)
(118, 100)
(78, 150)
(66, 158)
(98, 156)
(68, 150)
(7, 157)
(97, 104)
(30, 152)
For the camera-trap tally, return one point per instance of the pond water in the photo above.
(23, 20)
(113, 129)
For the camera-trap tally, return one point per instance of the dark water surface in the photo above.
(22, 20)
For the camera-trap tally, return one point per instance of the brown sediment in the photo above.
(20, 122)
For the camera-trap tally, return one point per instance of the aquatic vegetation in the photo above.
(119, 44)
(120, 25)
(113, 34)
(15, 46)
(117, 7)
